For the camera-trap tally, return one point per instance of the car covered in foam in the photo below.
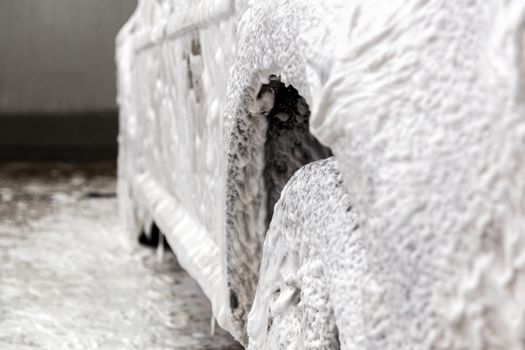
(411, 115)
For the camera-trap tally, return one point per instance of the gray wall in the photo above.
(57, 55)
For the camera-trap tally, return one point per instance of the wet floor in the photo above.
(70, 280)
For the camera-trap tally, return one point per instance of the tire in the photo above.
(312, 269)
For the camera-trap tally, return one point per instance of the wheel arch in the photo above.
(269, 48)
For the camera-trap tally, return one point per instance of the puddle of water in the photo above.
(68, 280)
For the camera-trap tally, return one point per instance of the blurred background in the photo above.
(57, 78)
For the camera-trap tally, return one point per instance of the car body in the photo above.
(222, 101)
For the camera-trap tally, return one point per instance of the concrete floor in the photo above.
(69, 279)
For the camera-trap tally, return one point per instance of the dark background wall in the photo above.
(57, 77)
